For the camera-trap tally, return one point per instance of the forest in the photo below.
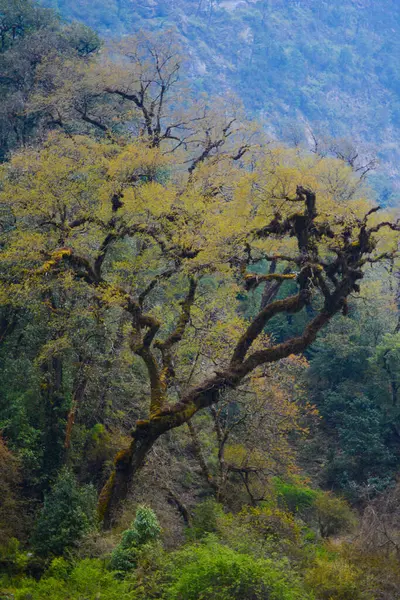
(199, 335)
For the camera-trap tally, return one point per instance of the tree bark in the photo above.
(128, 462)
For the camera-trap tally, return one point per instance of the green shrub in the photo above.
(205, 519)
(212, 571)
(68, 513)
(59, 568)
(88, 580)
(337, 579)
(145, 530)
(262, 531)
(12, 558)
(295, 497)
(270, 522)
(334, 515)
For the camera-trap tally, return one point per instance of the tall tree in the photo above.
(169, 252)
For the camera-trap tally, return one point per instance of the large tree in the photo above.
(106, 233)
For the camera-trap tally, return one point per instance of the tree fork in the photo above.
(128, 462)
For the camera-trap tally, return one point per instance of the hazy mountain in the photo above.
(304, 66)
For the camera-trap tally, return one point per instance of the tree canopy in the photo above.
(105, 229)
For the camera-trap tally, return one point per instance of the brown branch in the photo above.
(176, 336)
(153, 325)
(291, 305)
(284, 258)
(392, 226)
(153, 283)
(93, 122)
(182, 508)
(275, 227)
(272, 288)
(80, 262)
(252, 280)
(240, 152)
(131, 97)
(141, 345)
(295, 345)
(98, 263)
(178, 332)
(199, 455)
(370, 212)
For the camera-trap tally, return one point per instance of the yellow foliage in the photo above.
(334, 578)
(271, 521)
(104, 220)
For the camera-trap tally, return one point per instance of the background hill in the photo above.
(306, 67)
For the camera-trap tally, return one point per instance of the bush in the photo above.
(88, 580)
(215, 572)
(145, 530)
(13, 559)
(297, 498)
(334, 514)
(68, 513)
(337, 579)
(205, 519)
(272, 523)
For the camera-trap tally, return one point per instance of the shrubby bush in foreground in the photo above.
(88, 580)
(336, 578)
(262, 553)
(208, 570)
(216, 572)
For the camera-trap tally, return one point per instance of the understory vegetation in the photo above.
(199, 338)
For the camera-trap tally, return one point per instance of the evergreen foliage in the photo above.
(69, 511)
(145, 530)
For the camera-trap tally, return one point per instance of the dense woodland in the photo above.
(199, 337)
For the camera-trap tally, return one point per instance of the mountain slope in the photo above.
(303, 66)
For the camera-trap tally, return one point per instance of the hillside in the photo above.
(307, 68)
(199, 325)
